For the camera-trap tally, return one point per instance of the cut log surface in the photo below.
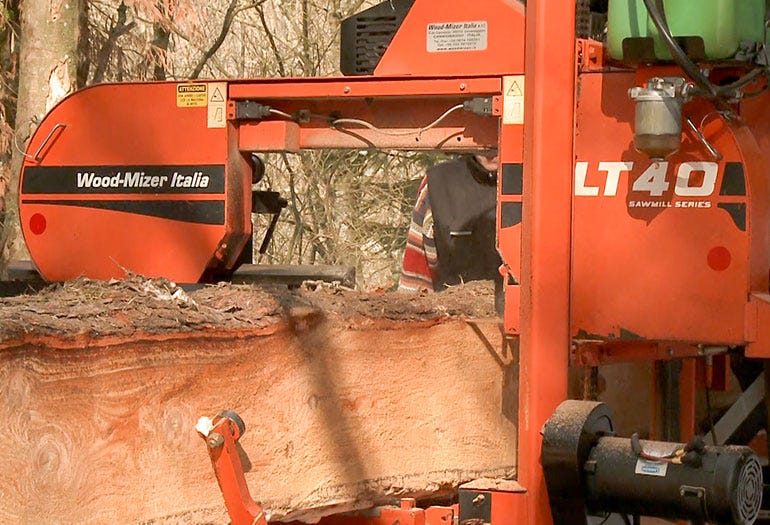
(350, 399)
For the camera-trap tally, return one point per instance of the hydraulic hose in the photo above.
(680, 57)
(743, 81)
(655, 10)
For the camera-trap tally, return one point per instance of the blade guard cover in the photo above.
(133, 178)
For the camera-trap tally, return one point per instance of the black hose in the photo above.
(680, 57)
(688, 66)
(743, 81)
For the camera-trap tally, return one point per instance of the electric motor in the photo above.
(589, 470)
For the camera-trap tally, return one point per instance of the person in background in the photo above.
(452, 234)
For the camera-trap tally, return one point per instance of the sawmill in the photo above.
(632, 220)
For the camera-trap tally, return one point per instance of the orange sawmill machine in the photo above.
(633, 215)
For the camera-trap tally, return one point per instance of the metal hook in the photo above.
(36, 156)
(714, 153)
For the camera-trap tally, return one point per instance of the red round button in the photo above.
(719, 258)
(37, 224)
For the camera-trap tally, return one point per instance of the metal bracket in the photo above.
(475, 507)
(738, 412)
(221, 436)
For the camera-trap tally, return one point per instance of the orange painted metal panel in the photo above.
(758, 326)
(545, 263)
(660, 250)
(103, 243)
(509, 240)
(269, 135)
(360, 87)
(119, 123)
(138, 181)
(753, 131)
(436, 39)
(510, 508)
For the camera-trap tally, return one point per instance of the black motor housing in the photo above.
(366, 36)
(726, 488)
(589, 470)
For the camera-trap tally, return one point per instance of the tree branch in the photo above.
(186, 38)
(119, 28)
(160, 42)
(296, 238)
(230, 14)
(271, 39)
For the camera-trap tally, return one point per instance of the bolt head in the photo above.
(216, 440)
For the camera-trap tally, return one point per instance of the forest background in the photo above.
(348, 208)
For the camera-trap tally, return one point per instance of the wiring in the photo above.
(281, 113)
(15, 140)
(636, 446)
(607, 517)
(747, 79)
(690, 454)
(354, 121)
(709, 115)
(343, 123)
(654, 9)
(755, 93)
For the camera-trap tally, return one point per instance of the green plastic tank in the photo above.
(722, 24)
(625, 19)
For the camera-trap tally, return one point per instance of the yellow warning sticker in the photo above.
(191, 95)
(513, 99)
(217, 102)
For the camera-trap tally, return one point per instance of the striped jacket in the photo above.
(420, 260)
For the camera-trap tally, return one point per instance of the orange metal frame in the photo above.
(605, 252)
(546, 238)
(221, 440)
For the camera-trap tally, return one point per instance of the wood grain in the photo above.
(338, 416)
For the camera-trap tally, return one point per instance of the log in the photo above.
(349, 399)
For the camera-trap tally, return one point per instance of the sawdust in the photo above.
(99, 309)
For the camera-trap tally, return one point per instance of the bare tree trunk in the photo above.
(84, 45)
(9, 25)
(49, 33)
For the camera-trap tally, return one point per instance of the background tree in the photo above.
(346, 207)
(48, 35)
(9, 36)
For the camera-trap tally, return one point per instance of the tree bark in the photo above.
(350, 399)
(49, 38)
(9, 25)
